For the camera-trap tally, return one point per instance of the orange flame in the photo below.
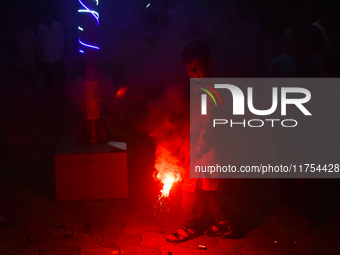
(121, 92)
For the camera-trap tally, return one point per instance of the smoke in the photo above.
(168, 123)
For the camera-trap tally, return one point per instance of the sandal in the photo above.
(222, 229)
(181, 235)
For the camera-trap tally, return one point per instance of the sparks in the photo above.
(168, 169)
(167, 181)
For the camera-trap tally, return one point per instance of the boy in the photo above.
(196, 58)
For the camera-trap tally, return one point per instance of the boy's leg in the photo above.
(215, 206)
(189, 206)
(222, 226)
(189, 228)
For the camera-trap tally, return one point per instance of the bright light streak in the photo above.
(94, 13)
(147, 6)
(167, 185)
(88, 45)
(97, 2)
(80, 28)
(81, 51)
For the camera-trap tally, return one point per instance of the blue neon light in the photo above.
(96, 16)
(88, 45)
(94, 13)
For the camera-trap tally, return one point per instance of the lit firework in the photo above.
(167, 181)
(168, 123)
(168, 169)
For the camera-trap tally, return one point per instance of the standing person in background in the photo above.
(329, 25)
(51, 42)
(300, 59)
(299, 62)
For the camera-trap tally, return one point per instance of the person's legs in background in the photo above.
(49, 81)
(60, 78)
(303, 193)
